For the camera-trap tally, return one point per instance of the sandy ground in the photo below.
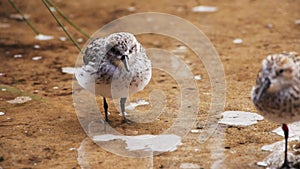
(45, 132)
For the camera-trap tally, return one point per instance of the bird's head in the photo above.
(278, 72)
(121, 48)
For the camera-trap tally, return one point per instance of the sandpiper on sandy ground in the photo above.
(276, 94)
(115, 67)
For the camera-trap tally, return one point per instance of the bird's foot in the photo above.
(127, 121)
(286, 165)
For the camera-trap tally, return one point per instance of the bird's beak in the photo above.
(266, 84)
(125, 62)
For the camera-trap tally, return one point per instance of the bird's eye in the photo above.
(280, 71)
(132, 49)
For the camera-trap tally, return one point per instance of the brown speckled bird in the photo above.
(276, 94)
(115, 67)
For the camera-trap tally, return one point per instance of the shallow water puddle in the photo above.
(90, 155)
(160, 143)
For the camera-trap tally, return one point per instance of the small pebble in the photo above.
(189, 166)
(227, 147)
(79, 40)
(17, 55)
(62, 38)
(270, 26)
(19, 17)
(72, 149)
(37, 58)
(3, 89)
(36, 47)
(131, 9)
(55, 87)
(52, 9)
(204, 9)
(68, 70)
(262, 164)
(43, 37)
(297, 22)
(2, 113)
(195, 131)
(1, 74)
(237, 41)
(198, 77)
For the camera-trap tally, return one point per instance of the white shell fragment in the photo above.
(36, 46)
(195, 131)
(240, 118)
(204, 9)
(18, 55)
(180, 50)
(294, 129)
(133, 105)
(262, 164)
(52, 9)
(275, 159)
(237, 41)
(131, 9)
(62, 38)
(43, 37)
(198, 77)
(19, 17)
(37, 58)
(189, 166)
(2, 113)
(72, 149)
(20, 100)
(79, 40)
(68, 70)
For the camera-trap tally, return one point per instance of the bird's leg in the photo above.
(105, 108)
(286, 136)
(122, 104)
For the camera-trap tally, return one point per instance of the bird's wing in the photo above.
(95, 51)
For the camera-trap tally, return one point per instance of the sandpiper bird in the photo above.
(115, 67)
(276, 94)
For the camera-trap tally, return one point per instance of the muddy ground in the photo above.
(45, 132)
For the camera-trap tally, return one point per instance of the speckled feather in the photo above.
(111, 78)
(283, 104)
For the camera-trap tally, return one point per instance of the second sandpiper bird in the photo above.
(276, 94)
